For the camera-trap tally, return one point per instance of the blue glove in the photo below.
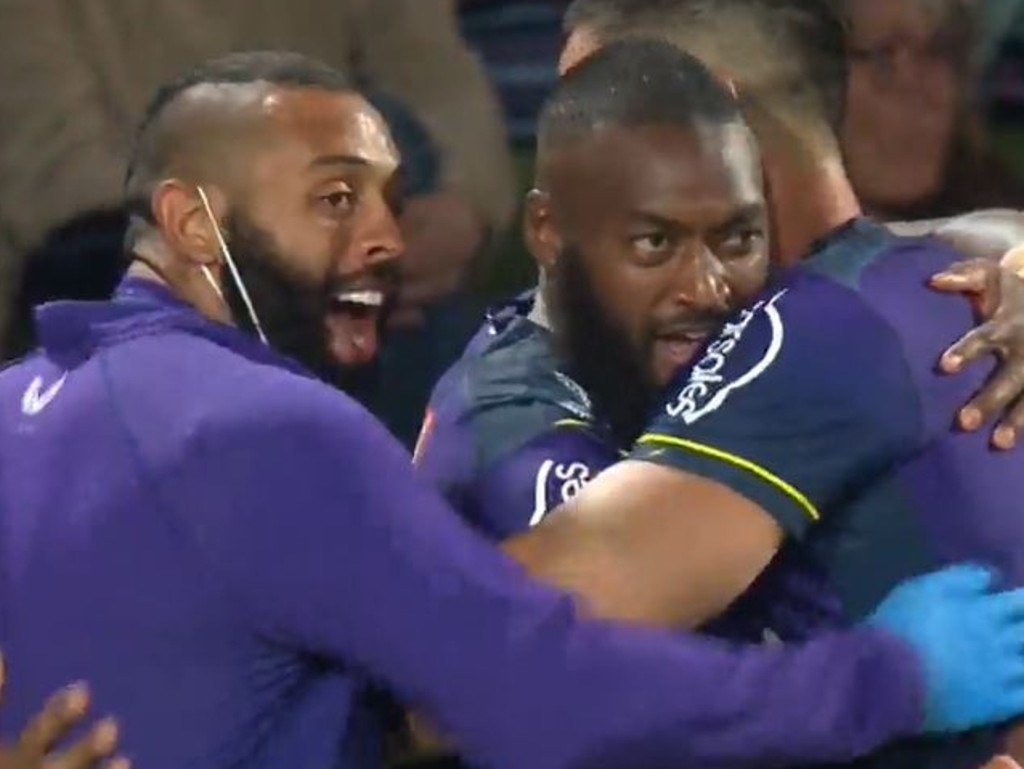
(970, 641)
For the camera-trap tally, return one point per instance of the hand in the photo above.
(998, 298)
(36, 745)
(970, 641)
(442, 234)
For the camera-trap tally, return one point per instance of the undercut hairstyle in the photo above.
(634, 83)
(786, 57)
(163, 144)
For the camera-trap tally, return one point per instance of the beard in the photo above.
(291, 311)
(599, 353)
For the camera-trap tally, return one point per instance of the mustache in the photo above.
(690, 325)
(385, 277)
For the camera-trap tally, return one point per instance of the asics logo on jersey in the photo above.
(706, 389)
(555, 485)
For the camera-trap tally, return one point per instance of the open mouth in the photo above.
(674, 350)
(353, 322)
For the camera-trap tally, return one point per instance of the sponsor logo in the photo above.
(36, 398)
(707, 388)
(556, 484)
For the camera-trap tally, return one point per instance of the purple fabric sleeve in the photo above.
(518, 490)
(310, 513)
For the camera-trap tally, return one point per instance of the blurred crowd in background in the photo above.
(934, 126)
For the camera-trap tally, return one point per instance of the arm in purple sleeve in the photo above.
(311, 513)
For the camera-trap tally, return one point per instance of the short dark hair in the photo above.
(785, 54)
(149, 157)
(630, 83)
(613, 15)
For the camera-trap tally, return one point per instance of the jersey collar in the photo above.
(72, 331)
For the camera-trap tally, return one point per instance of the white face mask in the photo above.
(230, 262)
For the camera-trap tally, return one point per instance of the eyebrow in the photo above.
(338, 160)
(745, 214)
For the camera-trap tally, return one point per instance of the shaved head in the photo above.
(261, 189)
(199, 136)
(202, 126)
(787, 58)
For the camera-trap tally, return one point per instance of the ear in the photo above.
(184, 223)
(539, 230)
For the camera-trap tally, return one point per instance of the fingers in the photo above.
(966, 579)
(86, 753)
(999, 398)
(971, 276)
(986, 339)
(1009, 606)
(980, 279)
(1010, 428)
(62, 712)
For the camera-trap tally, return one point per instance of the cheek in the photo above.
(628, 295)
(747, 280)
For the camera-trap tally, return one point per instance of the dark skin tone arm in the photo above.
(630, 552)
(629, 549)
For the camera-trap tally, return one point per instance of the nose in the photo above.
(702, 282)
(376, 238)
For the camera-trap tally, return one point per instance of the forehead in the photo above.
(872, 18)
(308, 124)
(667, 171)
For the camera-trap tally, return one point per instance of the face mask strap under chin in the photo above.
(230, 262)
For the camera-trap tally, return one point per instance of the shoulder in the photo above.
(509, 391)
(178, 393)
(810, 347)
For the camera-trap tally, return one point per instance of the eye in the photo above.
(743, 242)
(337, 201)
(651, 247)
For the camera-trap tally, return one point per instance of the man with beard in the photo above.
(230, 551)
(553, 389)
(805, 462)
(511, 435)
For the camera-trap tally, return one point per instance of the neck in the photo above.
(808, 201)
(150, 264)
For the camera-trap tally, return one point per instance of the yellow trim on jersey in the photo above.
(572, 423)
(765, 475)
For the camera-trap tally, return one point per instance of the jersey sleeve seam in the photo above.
(736, 461)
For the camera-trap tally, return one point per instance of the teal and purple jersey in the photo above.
(508, 435)
(233, 554)
(822, 403)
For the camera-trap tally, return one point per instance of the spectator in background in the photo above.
(518, 42)
(913, 137)
(76, 80)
